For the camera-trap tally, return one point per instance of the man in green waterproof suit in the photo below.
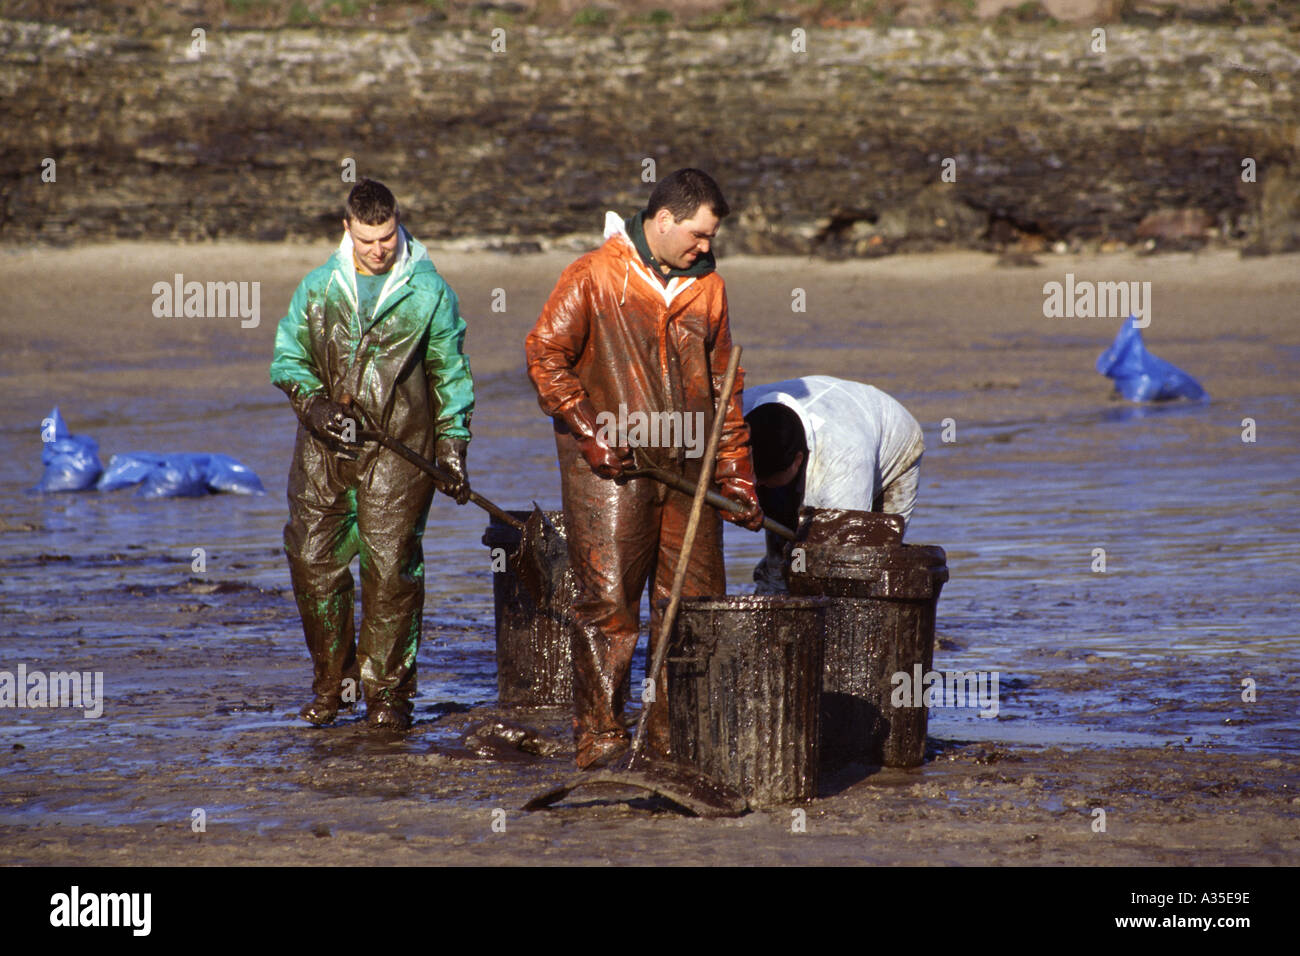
(377, 323)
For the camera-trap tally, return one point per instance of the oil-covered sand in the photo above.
(1120, 690)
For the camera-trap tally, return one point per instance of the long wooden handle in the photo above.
(713, 499)
(688, 540)
(419, 461)
(372, 432)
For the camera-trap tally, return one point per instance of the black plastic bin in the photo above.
(881, 622)
(534, 648)
(744, 686)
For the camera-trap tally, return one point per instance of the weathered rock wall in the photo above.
(172, 16)
(836, 148)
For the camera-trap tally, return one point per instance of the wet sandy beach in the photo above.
(1120, 690)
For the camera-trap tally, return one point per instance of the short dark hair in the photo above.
(370, 202)
(775, 437)
(683, 192)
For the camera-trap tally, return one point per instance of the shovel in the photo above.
(543, 553)
(683, 786)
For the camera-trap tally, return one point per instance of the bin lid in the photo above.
(901, 572)
(832, 559)
(749, 602)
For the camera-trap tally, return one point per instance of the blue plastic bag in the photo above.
(1142, 377)
(179, 475)
(128, 469)
(71, 462)
(228, 474)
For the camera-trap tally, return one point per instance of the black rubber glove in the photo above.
(450, 457)
(329, 421)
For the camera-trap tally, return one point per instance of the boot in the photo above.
(599, 750)
(389, 715)
(322, 710)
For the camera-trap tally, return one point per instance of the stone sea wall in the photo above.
(839, 140)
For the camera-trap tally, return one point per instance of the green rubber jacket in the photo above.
(405, 364)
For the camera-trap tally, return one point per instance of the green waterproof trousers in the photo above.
(375, 507)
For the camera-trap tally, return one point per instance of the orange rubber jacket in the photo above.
(613, 334)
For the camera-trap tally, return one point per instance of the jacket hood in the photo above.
(780, 393)
(615, 226)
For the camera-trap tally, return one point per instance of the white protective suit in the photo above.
(860, 442)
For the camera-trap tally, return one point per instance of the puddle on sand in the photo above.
(1199, 592)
